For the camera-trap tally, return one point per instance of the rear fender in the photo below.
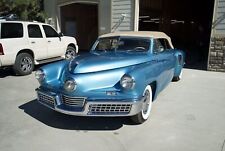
(180, 57)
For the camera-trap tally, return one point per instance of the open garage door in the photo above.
(80, 21)
(188, 23)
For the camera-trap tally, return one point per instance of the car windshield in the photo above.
(122, 44)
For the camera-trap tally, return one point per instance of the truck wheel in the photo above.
(146, 108)
(70, 52)
(24, 64)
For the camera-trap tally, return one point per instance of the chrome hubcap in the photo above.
(146, 102)
(26, 64)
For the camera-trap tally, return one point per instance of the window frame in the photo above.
(55, 36)
(121, 37)
(39, 30)
(158, 50)
(165, 44)
(19, 36)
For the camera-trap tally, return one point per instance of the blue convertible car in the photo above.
(121, 76)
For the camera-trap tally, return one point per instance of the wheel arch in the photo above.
(26, 51)
(153, 85)
(179, 64)
(74, 46)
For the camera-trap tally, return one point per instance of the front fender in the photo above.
(145, 74)
(53, 72)
(70, 40)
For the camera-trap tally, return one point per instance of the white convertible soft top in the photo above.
(145, 34)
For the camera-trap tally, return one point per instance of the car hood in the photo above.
(94, 62)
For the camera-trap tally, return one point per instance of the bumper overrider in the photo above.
(81, 106)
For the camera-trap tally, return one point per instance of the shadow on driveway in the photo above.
(6, 72)
(68, 122)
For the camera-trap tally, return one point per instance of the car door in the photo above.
(165, 59)
(37, 43)
(54, 42)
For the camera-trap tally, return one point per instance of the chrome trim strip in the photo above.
(73, 101)
(105, 109)
(135, 109)
(45, 98)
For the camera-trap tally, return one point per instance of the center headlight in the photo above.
(70, 85)
(127, 82)
(39, 75)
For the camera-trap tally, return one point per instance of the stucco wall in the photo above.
(51, 11)
(104, 16)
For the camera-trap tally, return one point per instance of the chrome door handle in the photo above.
(49, 41)
(33, 42)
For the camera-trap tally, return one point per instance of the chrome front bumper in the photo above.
(75, 106)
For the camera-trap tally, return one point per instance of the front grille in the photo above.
(102, 109)
(73, 101)
(47, 99)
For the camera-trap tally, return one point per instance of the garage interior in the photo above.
(188, 23)
(80, 20)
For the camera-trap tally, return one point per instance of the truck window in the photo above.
(50, 32)
(34, 31)
(11, 30)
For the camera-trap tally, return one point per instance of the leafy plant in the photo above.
(28, 10)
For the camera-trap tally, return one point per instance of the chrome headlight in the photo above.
(39, 75)
(70, 85)
(127, 82)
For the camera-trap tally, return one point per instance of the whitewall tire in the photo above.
(146, 107)
(177, 78)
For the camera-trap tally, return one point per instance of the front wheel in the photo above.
(146, 108)
(178, 78)
(24, 64)
(70, 52)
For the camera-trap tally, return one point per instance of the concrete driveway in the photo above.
(188, 116)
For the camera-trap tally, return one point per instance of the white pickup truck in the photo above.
(25, 44)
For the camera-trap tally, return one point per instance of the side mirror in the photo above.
(61, 34)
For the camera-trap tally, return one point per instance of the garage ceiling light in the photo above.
(144, 16)
(148, 21)
(177, 21)
(155, 19)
